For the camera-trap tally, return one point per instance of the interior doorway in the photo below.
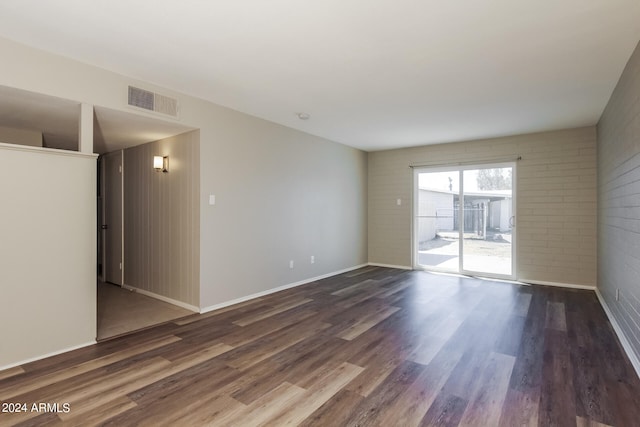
(121, 309)
(464, 220)
(147, 229)
(133, 199)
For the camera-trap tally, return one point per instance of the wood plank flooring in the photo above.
(373, 347)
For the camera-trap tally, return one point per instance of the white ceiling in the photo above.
(372, 74)
(117, 130)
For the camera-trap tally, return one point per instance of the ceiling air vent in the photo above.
(153, 101)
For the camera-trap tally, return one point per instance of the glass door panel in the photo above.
(487, 214)
(464, 220)
(437, 238)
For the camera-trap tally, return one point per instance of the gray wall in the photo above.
(161, 219)
(619, 202)
(281, 194)
(555, 202)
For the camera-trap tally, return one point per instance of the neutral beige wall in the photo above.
(47, 252)
(20, 136)
(281, 194)
(619, 203)
(556, 201)
(161, 218)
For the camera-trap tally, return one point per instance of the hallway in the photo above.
(121, 311)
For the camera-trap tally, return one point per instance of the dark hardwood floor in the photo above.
(376, 346)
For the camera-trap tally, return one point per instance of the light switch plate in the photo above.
(212, 199)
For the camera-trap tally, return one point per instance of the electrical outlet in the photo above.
(617, 294)
(313, 259)
(291, 264)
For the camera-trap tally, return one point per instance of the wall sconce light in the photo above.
(161, 164)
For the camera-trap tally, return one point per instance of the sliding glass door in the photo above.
(436, 225)
(487, 209)
(464, 220)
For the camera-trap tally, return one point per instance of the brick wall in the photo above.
(556, 204)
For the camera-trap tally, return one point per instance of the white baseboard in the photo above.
(163, 298)
(633, 357)
(558, 284)
(400, 267)
(44, 356)
(278, 289)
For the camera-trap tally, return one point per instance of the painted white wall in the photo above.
(506, 212)
(47, 251)
(281, 194)
(433, 203)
